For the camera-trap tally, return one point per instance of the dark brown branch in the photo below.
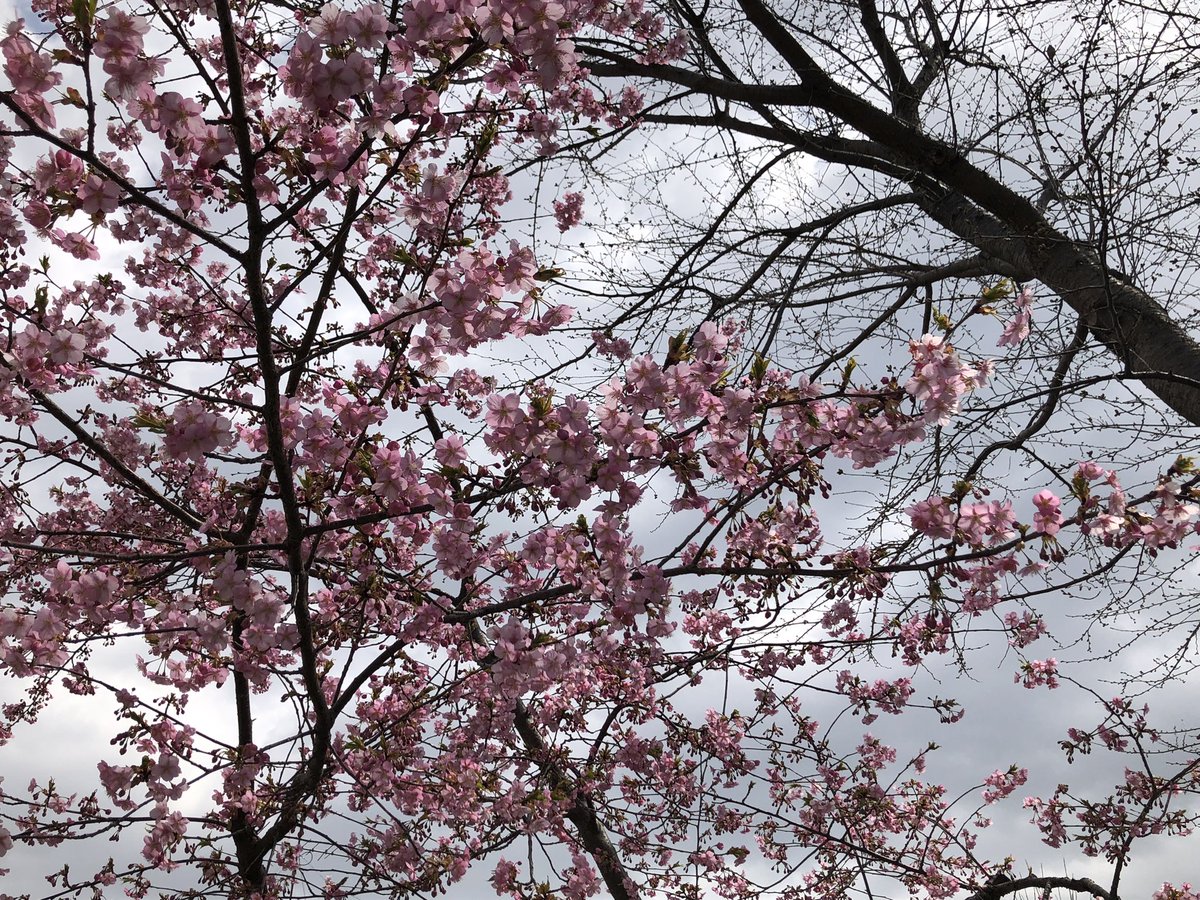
(1043, 882)
(582, 814)
(964, 199)
(903, 98)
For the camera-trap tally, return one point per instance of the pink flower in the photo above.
(1026, 628)
(504, 876)
(450, 450)
(504, 411)
(494, 23)
(163, 836)
(940, 379)
(194, 431)
(117, 780)
(1016, 329)
(77, 245)
(1038, 673)
(368, 26)
(1048, 518)
(119, 35)
(29, 71)
(39, 215)
(119, 44)
(509, 640)
(398, 476)
(1170, 892)
(933, 517)
(1002, 783)
(331, 26)
(568, 211)
(65, 347)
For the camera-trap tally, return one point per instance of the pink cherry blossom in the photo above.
(1002, 783)
(1038, 673)
(1048, 517)
(933, 517)
(1016, 330)
(568, 212)
(194, 431)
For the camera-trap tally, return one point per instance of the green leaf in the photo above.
(758, 369)
(85, 13)
(401, 255)
(677, 349)
(848, 371)
(1003, 288)
(542, 406)
(144, 420)
(74, 98)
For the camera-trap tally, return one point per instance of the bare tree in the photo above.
(917, 144)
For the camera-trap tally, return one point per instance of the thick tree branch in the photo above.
(965, 200)
(582, 814)
(617, 67)
(1128, 321)
(903, 100)
(1043, 882)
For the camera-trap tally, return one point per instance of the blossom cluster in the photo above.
(941, 379)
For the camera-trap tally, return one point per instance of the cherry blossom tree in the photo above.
(265, 287)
